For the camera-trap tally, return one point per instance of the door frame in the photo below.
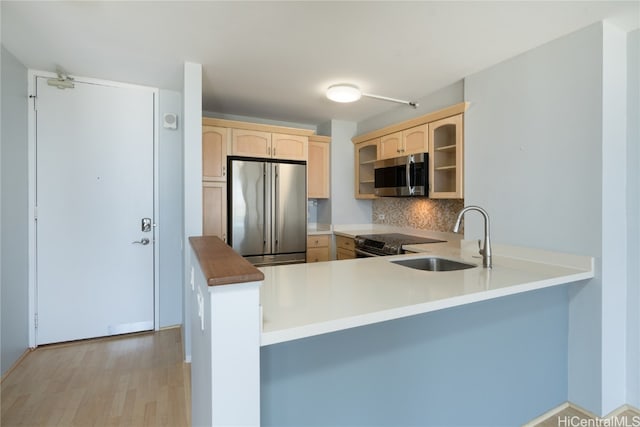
(31, 153)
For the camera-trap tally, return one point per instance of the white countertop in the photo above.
(316, 229)
(304, 300)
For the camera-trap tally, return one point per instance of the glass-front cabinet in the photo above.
(446, 163)
(366, 153)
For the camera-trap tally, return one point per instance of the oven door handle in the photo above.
(412, 189)
(365, 253)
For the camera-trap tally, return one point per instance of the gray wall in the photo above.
(14, 218)
(544, 155)
(345, 209)
(633, 215)
(442, 98)
(494, 363)
(170, 215)
(258, 120)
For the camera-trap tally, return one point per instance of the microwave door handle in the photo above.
(408, 172)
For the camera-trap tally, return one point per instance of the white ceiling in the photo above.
(274, 60)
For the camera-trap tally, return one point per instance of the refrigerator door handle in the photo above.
(264, 207)
(276, 203)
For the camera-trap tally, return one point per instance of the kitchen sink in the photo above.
(434, 264)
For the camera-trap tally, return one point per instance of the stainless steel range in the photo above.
(370, 245)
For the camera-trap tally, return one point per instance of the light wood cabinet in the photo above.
(415, 140)
(410, 141)
(214, 153)
(439, 133)
(390, 146)
(318, 248)
(366, 153)
(252, 143)
(289, 147)
(214, 175)
(319, 155)
(345, 248)
(214, 207)
(446, 158)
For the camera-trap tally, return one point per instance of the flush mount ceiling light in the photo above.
(345, 92)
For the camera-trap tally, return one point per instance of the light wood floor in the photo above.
(135, 380)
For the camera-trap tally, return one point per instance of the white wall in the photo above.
(633, 218)
(545, 155)
(170, 216)
(14, 214)
(614, 217)
(192, 180)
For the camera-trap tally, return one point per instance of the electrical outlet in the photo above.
(380, 217)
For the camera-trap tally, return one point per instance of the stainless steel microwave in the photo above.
(402, 176)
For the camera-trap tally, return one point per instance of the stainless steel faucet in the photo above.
(486, 248)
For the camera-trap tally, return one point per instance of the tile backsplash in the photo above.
(421, 213)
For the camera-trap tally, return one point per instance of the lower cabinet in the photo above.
(318, 248)
(345, 248)
(214, 209)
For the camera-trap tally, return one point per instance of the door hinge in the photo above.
(34, 97)
(35, 318)
(35, 213)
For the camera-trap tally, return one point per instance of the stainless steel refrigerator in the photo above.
(268, 210)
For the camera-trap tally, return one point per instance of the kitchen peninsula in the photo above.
(299, 302)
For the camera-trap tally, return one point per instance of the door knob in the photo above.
(144, 241)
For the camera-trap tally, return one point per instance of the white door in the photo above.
(94, 186)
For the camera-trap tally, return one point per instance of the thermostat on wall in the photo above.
(170, 121)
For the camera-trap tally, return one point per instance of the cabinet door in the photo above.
(446, 158)
(390, 146)
(214, 153)
(250, 143)
(214, 207)
(289, 147)
(317, 254)
(415, 140)
(318, 170)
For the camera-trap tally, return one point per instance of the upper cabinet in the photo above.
(214, 153)
(366, 154)
(319, 155)
(446, 158)
(439, 133)
(415, 140)
(289, 147)
(390, 146)
(253, 143)
(250, 143)
(410, 141)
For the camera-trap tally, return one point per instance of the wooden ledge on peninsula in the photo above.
(220, 264)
